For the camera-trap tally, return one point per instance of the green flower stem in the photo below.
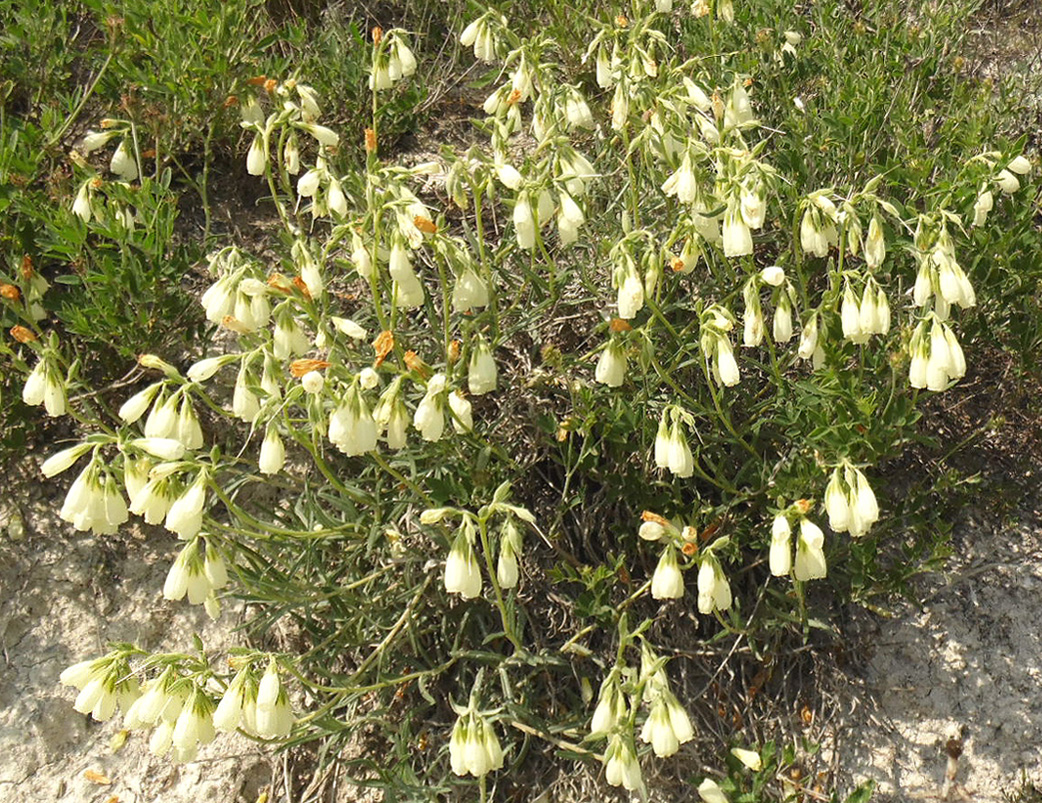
(486, 266)
(340, 692)
(724, 418)
(508, 625)
(270, 176)
(412, 486)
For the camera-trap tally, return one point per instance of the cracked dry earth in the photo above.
(960, 673)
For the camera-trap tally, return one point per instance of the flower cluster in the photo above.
(668, 725)
(474, 747)
(179, 702)
(46, 385)
(665, 728)
(462, 570)
(850, 502)
(867, 317)
(810, 546)
(104, 684)
(671, 447)
(937, 357)
(199, 572)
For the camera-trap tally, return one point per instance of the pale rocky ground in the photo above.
(966, 664)
(63, 597)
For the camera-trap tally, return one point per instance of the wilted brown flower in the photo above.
(298, 368)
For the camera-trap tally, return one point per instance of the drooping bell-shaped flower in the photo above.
(668, 581)
(611, 366)
(351, 426)
(462, 572)
(781, 546)
(621, 767)
(714, 592)
(679, 458)
(481, 373)
(524, 222)
(810, 553)
(429, 417)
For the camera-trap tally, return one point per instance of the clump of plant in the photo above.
(468, 539)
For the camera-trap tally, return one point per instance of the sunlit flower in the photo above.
(272, 452)
(621, 767)
(524, 222)
(668, 581)
(185, 516)
(679, 458)
(257, 156)
(481, 373)
(611, 706)
(710, 792)
(462, 572)
(473, 746)
(429, 417)
(781, 546)
(810, 553)
(352, 428)
(714, 592)
(611, 366)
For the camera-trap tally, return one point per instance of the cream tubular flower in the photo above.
(781, 546)
(611, 366)
(462, 572)
(668, 581)
(810, 552)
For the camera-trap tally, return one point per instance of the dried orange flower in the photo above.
(230, 101)
(454, 351)
(619, 325)
(689, 549)
(804, 506)
(22, 335)
(259, 80)
(622, 21)
(10, 292)
(370, 140)
(27, 267)
(383, 345)
(378, 34)
(298, 368)
(647, 515)
(414, 362)
(425, 224)
(514, 97)
(301, 285)
(677, 264)
(269, 85)
(279, 282)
